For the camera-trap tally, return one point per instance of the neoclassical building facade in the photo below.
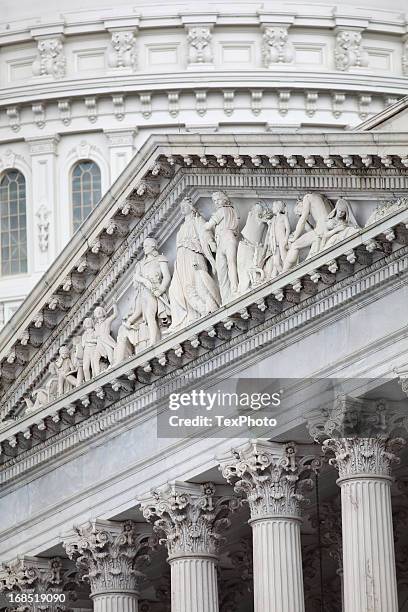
(82, 90)
(204, 237)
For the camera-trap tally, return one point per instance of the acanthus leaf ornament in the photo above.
(43, 224)
(123, 50)
(189, 519)
(271, 477)
(358, 434)
(363, 456)
(276, 48)
(38, 576)
(349, 51)
(109, 555)
(199, 45)
(51, 60)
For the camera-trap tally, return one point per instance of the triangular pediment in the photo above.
(98, 267)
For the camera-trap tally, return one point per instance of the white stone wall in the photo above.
(96, 83)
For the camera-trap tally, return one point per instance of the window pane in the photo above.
(85, 190)
(13, 233)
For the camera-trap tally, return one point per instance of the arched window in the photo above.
(86, 190)
(13, 223)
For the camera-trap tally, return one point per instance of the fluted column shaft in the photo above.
(273, 477)
(194, 584)
(358, 434)
(115, 602)
(368, 545)
(277, 558)
(189, 518)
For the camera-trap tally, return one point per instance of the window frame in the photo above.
(77, 163)
(5, 173)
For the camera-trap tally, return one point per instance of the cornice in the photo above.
(287, 78)
(263, 339)
(175, 14)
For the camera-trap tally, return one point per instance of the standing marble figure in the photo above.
(277, 240)
(224, 223)
(89, 341)
(105, 344)
(250, 248)
(151, 280)
(193, 292)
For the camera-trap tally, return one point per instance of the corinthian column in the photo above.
(27, 583)
(109, 556)
(189, 519)
(272, 478)
(363, 452)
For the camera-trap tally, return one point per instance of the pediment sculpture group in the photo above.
(215, 263)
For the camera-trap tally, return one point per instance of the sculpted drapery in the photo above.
(193, 291)
(215, 263)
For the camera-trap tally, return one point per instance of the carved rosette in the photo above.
(272, 477)
(189, 519)
(109, 556)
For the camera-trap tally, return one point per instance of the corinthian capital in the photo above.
(189, 518)
(29, 572)
(271, 476)
(109, 555)
(358, 434)
(33, 575)
(363, 456)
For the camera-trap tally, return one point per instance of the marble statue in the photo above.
(318, 207)
(105, 344)
(151, 280)
(277, 240)
(341, 224)
(65, 368)
(211, 267)
(89, 345)
(251, 247)
(44, 395)
(193, 292)
(132, 338)
(224, 223)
